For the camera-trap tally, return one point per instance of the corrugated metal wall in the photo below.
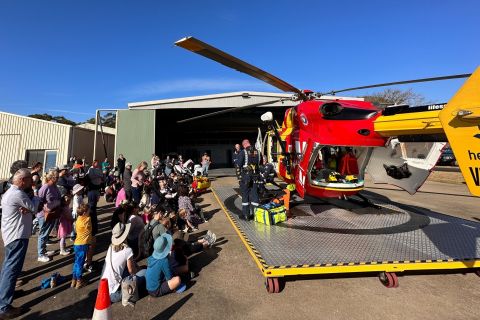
(18, 134)
(82, 145)
(9, 152)
(136, 135)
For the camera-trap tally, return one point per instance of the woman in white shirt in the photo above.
(119, 262)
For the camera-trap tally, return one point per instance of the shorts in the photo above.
(161, 291)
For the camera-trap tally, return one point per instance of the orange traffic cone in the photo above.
(102, 305)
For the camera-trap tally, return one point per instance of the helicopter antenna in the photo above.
(199, 47)
(455, 76)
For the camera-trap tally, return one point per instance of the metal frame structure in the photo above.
(387, 269)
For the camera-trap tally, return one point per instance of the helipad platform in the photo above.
(326, 238)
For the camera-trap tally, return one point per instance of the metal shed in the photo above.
(30, 139)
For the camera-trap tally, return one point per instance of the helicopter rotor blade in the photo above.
(199, 47)
(211, 114)
(455, 76)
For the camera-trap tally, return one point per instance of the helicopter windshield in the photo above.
(335, 111)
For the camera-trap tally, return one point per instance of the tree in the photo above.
(108, 120)
(394, 96)
(57, 119)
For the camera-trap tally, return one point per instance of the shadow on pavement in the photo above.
(83, 309)
(170, 311)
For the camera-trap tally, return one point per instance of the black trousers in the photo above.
(249, 192)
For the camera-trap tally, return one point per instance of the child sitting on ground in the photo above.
(185, 202)
(65, 224)
(159, 275)
(137, 226)
(84, 238)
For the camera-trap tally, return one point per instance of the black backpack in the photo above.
(399, 172)
(146, 239)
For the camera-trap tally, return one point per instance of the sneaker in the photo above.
(207, 238)
(80, 284)
(50, 253)
(12, 313)
(43, 258)
(88, 268)
(73, 284)
(213, 239)
(64, 252)
(19, 283)
(181, 288)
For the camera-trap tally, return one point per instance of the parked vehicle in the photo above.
(447, 158)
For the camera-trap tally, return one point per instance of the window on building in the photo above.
(34, 156)
(50, 160)
(47, 157)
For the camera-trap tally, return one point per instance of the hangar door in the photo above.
(9, 152)
(135, 135)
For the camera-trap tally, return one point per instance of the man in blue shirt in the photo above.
(159, 276)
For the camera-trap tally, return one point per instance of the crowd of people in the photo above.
(154, 209)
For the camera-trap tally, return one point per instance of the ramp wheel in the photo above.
(269, 285)
(388, 279)
(272, 285)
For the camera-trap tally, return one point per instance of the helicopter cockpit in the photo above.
(335, 167)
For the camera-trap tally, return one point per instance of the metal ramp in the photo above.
(324, 238)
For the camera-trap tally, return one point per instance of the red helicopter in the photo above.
(326, 143)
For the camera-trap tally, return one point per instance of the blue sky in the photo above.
(72, 57)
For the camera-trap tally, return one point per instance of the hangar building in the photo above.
(151, 126)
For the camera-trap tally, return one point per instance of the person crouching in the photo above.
(83, 227)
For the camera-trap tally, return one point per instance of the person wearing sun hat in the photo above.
(159, 276)
(119, 262)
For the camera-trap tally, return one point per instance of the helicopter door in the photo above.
(303, 152)
(405, 165)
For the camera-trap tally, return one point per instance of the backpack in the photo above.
(146, 239)
(399, 172)
(130, 292)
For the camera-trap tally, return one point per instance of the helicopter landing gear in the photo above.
(272, 285)
(388, 279)
(364, 201)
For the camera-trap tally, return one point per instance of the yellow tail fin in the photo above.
(461, 122)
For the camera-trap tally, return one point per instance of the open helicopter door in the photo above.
(303, 151)
(405, 165)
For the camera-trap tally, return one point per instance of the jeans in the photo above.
(205, 169)
(136, 194)
(80, 256)
(128, 194)
(93, 197)
(12, 266)
(44, 227)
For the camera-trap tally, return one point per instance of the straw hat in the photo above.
(120, 233)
